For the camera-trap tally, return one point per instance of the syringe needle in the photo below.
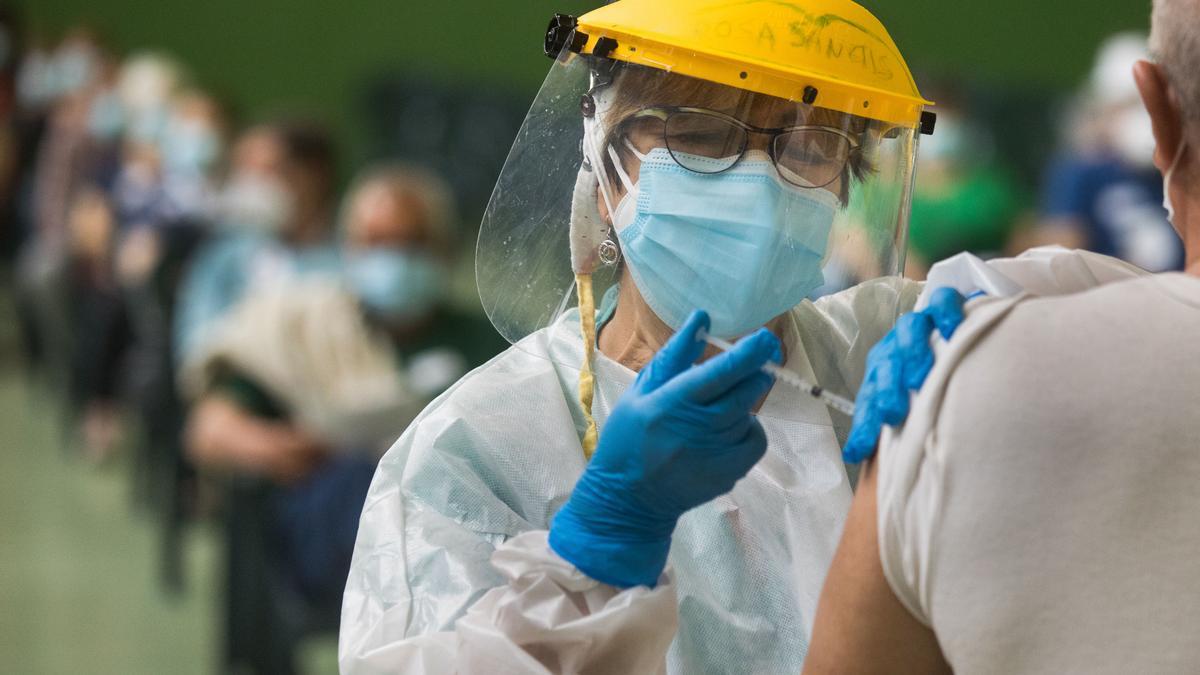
(775, 370)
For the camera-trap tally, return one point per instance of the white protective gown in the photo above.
(451, 571)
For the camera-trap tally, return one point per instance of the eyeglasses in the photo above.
(709, 142)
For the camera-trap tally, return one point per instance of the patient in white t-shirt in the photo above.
(1039, 512)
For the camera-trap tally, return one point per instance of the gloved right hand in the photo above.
(897, 366)
(681, 436)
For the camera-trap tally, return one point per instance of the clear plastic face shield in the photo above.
(673, 194)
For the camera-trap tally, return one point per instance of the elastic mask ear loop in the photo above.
(620, 167)
(1170, 173)
(616, 160)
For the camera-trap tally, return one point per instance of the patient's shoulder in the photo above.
(1030, 372)
(1028, 336)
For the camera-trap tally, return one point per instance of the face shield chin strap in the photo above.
(589, 236)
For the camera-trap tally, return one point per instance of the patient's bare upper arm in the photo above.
(860, 625)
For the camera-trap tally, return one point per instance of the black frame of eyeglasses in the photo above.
(664, 114)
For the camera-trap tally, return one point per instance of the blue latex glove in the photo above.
(897, 365)
(681, 436)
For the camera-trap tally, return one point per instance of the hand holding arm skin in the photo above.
(680, 436)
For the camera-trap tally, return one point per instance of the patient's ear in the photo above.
(1164, 111)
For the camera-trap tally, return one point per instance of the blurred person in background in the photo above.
(127, 178)
(144, 152)
(105, 122)
(66, 163)
(273, 222)
(167, 214)
(144, 87)
(170, 133)
(171, 140)
(306, 384)
(401, 236)
(98, 323)
(33, 75)
(963, 200)
(191, 147)
(1105, 195)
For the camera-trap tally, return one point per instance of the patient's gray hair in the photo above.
(1175, 44)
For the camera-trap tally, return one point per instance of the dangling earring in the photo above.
(609, 252)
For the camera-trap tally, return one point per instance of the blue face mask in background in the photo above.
(106, 117)
(743, 244)
(395, 284)
(189, 148)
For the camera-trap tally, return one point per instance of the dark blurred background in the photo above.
(270, 53)
(173, 497)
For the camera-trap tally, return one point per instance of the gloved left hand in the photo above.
(897, 365)
(680, 436)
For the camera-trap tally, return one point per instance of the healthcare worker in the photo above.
(681, 155)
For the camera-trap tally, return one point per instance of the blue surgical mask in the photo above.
(73, 68)
(146, 125)
(106, 117)
(255, 203)
(394, 283)
(743, 244)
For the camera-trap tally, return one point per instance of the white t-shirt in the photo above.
(1041, 508)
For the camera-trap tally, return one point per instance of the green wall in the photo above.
(282, 54)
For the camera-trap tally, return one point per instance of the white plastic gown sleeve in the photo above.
(1046, 270)
(433, 583)
(546, 618)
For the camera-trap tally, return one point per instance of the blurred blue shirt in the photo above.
(1119, 207)
(230, 265)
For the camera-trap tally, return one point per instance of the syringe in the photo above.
(778, 372)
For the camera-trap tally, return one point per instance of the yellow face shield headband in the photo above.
(829, 53)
